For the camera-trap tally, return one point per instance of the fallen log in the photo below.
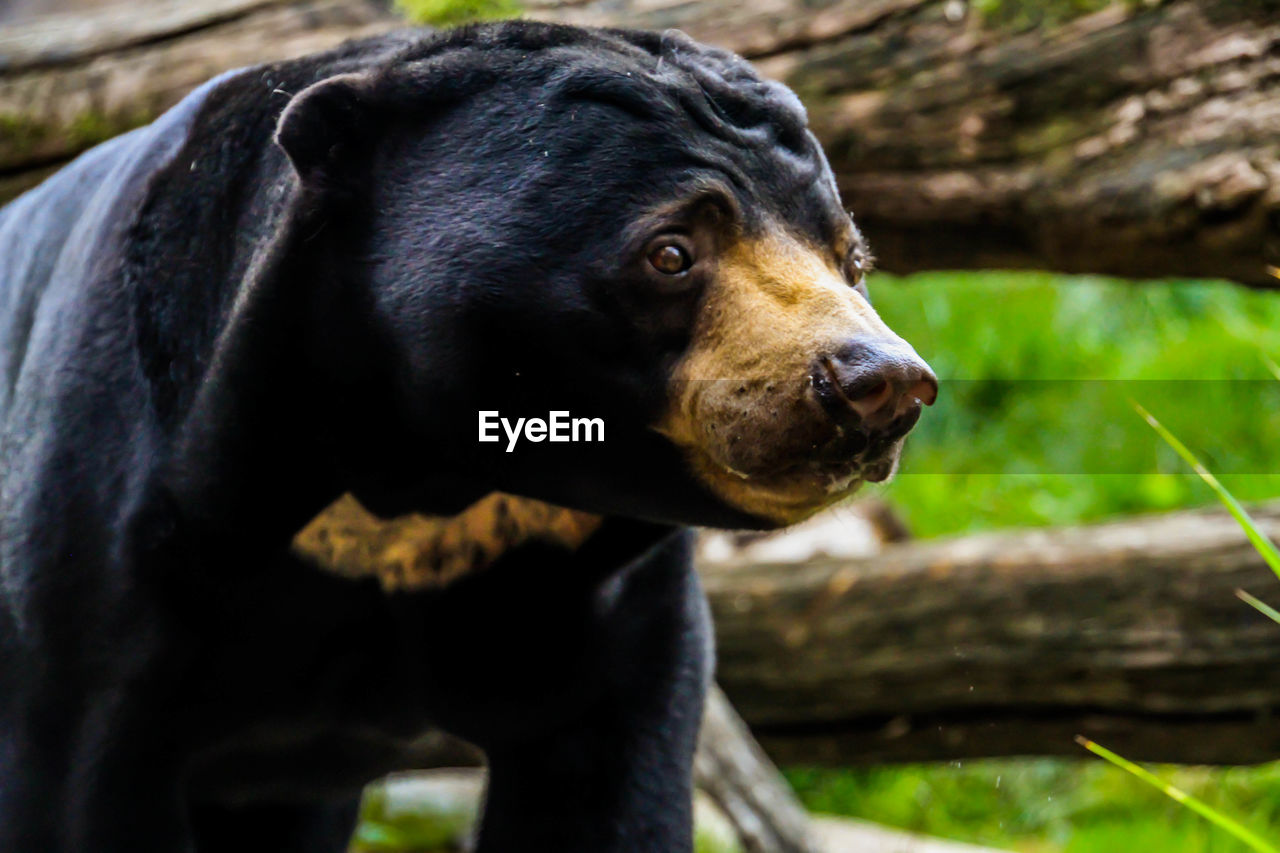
(732, 770)
(1008, 644)
(1140, 140)
(67, 82)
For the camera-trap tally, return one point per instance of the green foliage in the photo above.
(19, 134)
(1049, 805)
(452, 13)
(88, 129)
(1034, 424)
(1026, 14)
(432, 823)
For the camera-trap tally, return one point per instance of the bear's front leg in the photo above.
(91, 775)
(619, 777)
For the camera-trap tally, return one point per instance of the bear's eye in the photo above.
(855, 269)
(670, 259)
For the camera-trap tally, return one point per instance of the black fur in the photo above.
(206, 336)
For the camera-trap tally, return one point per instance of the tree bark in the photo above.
(731, 768)
(1008, 644)
(1141, 140)
(68, 82)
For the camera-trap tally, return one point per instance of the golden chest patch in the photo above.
(423, 552)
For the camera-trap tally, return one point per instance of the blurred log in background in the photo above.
(1140, 140)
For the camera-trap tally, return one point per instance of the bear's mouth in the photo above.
(792, 491)
(819, 453)
(829, 474)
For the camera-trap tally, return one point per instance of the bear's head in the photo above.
(620, 225)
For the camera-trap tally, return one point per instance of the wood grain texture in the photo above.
(731, 768)
(1010, 643)
(69, 82)
(1141, 140)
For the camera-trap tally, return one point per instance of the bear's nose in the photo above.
(878, 381)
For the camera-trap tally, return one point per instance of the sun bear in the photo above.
(307, 280)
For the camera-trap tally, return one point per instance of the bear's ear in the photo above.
(324, 125)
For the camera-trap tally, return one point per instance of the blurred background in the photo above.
(1076, 209)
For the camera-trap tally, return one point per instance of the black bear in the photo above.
(315, 278)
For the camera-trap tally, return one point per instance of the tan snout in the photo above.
(793, 391)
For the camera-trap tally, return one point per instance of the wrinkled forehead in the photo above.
(768, 193)
(780, 190)
(759, 129)
(704, 119)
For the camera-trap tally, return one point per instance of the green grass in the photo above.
(1050, 805)
(1034, 424)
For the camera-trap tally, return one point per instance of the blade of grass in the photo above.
(1240, 831)
(1261, 606)
(1259, 539)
